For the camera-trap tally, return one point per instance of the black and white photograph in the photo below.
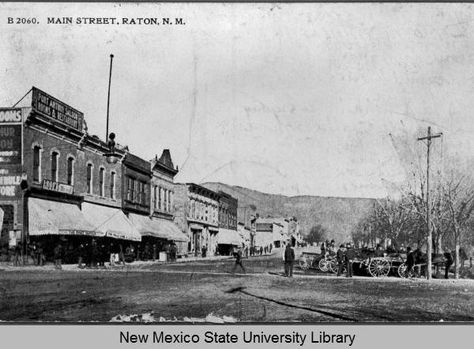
(237, 163)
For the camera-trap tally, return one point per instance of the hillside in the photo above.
(337, 215)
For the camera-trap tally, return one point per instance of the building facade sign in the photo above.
(56, 110)
(10, 115)
(57, 187)
(10, 153)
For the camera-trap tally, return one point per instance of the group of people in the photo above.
(89, 253)
(345, 256)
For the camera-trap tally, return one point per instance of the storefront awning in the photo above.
(110, 221)
(174, 233)
(228, 237)
(196, 226)
(147, 226)
(58, 218)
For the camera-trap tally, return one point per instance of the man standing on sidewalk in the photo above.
(350, 255)
(289, 260)
(340, 259)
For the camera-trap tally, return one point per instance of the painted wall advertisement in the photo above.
(10, 152)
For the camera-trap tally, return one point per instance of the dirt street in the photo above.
(197, 289)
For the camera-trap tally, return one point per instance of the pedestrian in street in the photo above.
(40, 254)
(17, 257)
(155, 252)
(204, 251)
(121, 256)
(349, 256)
(238, 261)
(58, 256)
(94, 252)
(174, 251)
(289, 260)
(80, 255)
(410, 261)
(340, 256)
(448, 263)
(33, 253)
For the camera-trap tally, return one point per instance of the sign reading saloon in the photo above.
(10, 153)
(57, 110)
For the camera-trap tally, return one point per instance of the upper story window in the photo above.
(154, 198)
(159, 198)
(54, 166)
(89, 178)
(165, 198)
(130, 189)
(142, 196)
(112, 185)
(101, 181)
(170, 200)
(36, 163)
(70, 170)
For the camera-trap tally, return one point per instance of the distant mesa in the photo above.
(338, 215)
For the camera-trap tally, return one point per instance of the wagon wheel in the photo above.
(304, 262)
(332, 266)
(379, 267)
(402, 271)
(323, 265)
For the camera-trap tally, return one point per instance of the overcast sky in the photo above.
(291, 98)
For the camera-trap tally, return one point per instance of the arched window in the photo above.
(54, 166)
(112, 185)
(89, 178)
(102, 181)
(36, 163)
(70, 170)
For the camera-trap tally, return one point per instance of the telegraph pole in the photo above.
(108, 99)
(428, 138)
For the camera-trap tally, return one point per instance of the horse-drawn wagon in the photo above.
(375, 263)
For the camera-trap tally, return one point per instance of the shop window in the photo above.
(54, 166)
(70, 170)
(36, 164)
(89, 178)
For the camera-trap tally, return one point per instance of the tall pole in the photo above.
(108, 99)
(428, 210)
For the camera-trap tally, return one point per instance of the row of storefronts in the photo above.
(59, 184)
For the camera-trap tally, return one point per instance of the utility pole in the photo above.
(428, 213)
(108, 99)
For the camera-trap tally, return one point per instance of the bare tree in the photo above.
(459, 204)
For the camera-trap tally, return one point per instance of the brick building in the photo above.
(197, 216)
(72, 192)
(228, 237)
(162, 200)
